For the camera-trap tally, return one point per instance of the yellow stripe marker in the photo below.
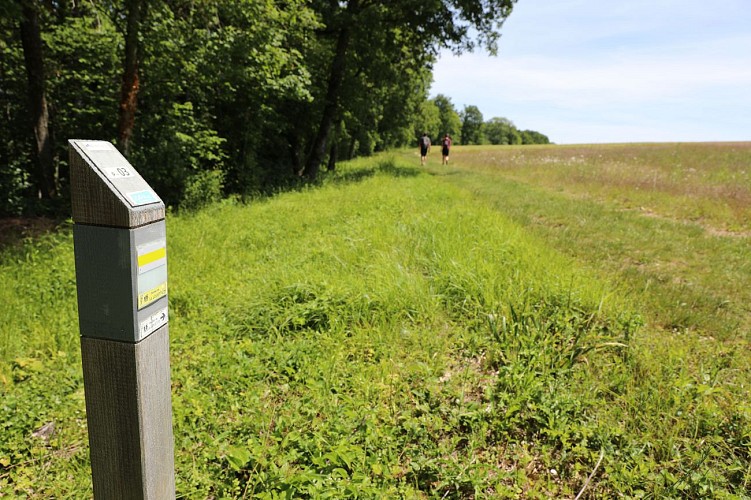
(153, 256)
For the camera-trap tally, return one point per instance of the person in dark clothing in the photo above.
(424, 147)
(445, 148)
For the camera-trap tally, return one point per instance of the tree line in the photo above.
(210, 97)
(439, 116)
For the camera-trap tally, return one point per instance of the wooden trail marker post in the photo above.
(120, 244)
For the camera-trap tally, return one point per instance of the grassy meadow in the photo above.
(528, 322)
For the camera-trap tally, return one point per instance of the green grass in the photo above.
(693, 276)
(397, 332)
(705, 184)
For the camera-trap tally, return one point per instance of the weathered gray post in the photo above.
(121, 272)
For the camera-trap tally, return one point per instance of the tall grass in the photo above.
(690, 275)
(389, 334)
(690, 367)
(707, 184)
(37, 298)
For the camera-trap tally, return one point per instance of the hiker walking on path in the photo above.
(424, 147)
(445, 148)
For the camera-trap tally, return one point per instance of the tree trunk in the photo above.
(31, 40)
(352, 147)
(335, 140)
(331, 105)
(333, 153)
(130, 83)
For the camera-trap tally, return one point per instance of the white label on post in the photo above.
(153, 322)
(98, 146)
(119, 172)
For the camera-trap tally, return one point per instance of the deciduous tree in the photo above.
(423, 26)
(451, 123)
(31, 40)
(249, 94)
(533, 137)
(501, 131)
(428, 120)
(134, 12)
(471, 125)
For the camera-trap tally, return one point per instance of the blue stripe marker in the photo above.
(142, 198)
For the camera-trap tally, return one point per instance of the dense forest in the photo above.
(212, 97)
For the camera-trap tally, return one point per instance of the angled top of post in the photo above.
(106, 190)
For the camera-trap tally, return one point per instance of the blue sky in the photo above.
(593, 71)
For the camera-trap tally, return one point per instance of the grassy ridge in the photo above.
(389, 334)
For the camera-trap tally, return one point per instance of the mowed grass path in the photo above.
(398, 332)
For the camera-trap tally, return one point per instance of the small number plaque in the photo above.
(118, 173)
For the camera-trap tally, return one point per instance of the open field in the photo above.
(670, 222)
(518, 324)
(705, 184)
